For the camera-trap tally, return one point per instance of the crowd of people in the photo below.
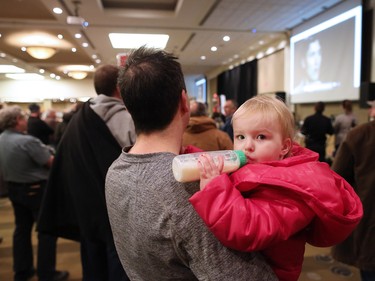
(103, 177)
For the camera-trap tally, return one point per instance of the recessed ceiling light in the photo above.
(260, 55)
(135, 40)
(41, 70)
(78, 35)
(74, 50)
(270, 50)
(24, 76)
(60, 36)
(226, 38)
(23, 49)
(57, 10)
(213, 48)
(250, 58)
(203, 57)
(85, 45)
(282, 44)
(5, 68)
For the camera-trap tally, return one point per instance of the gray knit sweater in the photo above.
(157, 233)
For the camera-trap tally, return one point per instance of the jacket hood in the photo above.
(106, 106)
(198, 124)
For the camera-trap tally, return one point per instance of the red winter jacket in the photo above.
(278, 206)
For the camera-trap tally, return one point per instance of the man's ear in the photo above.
(185, 104)
(117, 93)
(287, 146)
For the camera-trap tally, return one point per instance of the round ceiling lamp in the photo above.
(39, 45)
(79, 75)
(40, 52)
(78, 72)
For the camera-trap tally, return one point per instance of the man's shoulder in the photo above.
(33, 120)
(340, 117)
(361, 131)
(25, 140)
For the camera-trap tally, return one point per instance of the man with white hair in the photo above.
(25, 163)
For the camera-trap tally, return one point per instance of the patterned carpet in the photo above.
(318, 265)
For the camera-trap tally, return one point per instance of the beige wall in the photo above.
(271, 73)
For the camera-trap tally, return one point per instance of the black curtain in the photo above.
(239, 83)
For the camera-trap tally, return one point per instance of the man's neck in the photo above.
(168, 140)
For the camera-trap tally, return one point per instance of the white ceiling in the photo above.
(194, 26)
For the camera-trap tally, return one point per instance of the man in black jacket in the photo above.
(74, 206)
(315, 128)
(36, 126)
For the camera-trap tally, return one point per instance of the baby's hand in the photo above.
(209, 169)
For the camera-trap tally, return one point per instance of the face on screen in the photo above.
(325, 59)
(313, 60)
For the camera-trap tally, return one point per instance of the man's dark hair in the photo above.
(105, 79)
(319, 107)
(34, 108)
(151, 83)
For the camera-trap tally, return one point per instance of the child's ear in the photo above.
(287, 145)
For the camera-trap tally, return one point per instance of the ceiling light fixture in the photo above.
(78, 75)
(78, 72)
(10, 69)
(24, 76)
(136, 40)
(57, 10)
(40, 52)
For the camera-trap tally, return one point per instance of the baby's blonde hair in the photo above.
(270, 108)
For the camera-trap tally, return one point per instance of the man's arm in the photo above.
(207, 257)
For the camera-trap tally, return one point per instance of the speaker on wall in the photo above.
(367, 93)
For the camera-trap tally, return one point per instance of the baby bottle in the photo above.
(185, 166)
